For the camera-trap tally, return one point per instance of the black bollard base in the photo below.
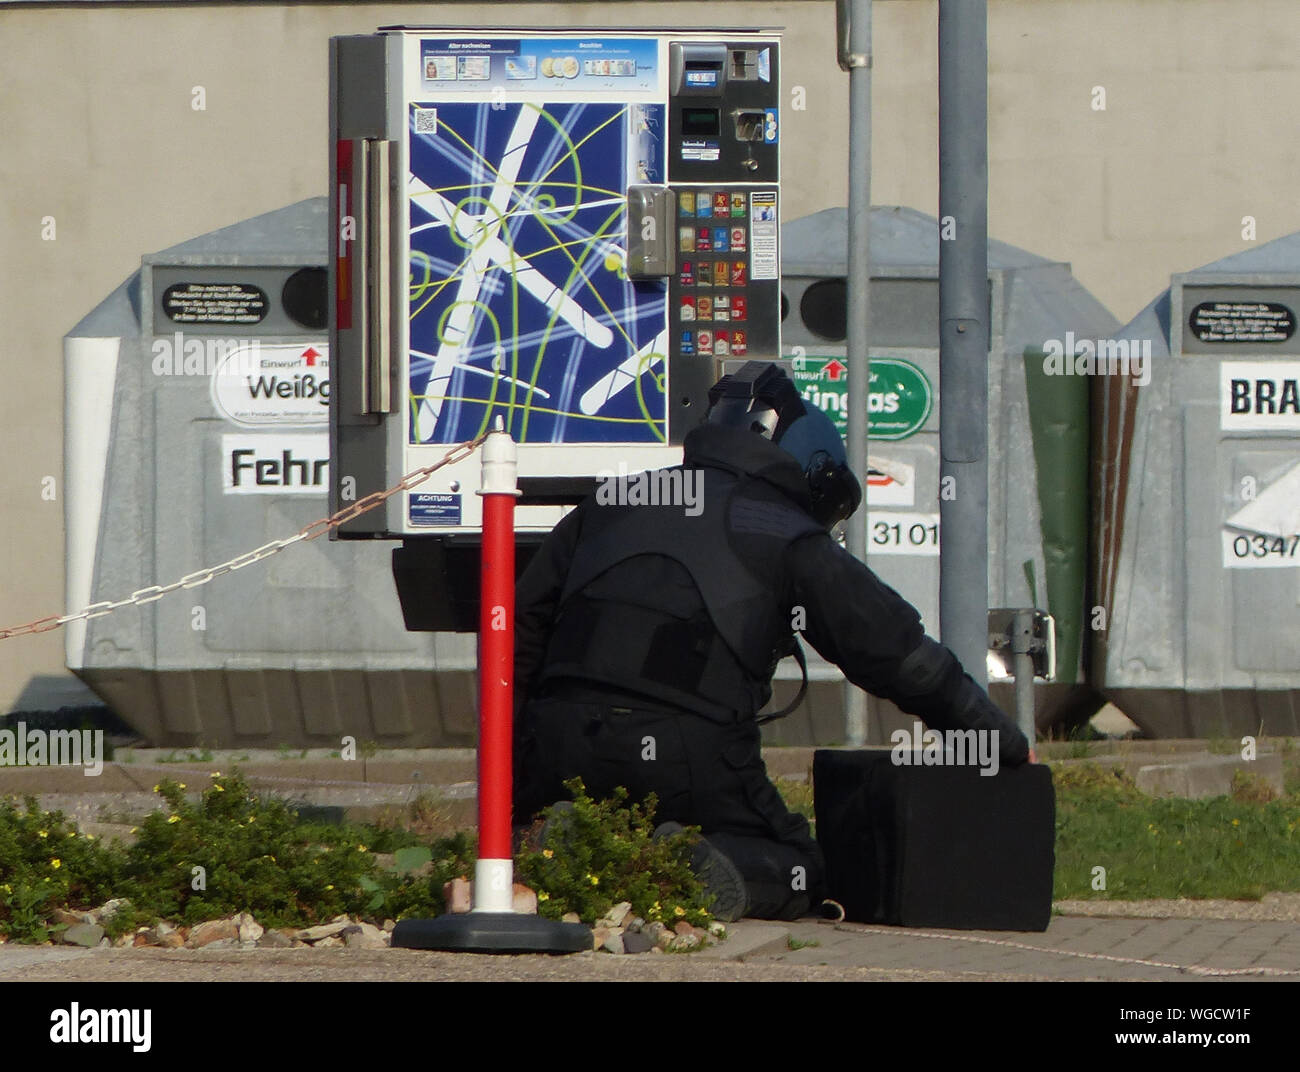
(492, 932)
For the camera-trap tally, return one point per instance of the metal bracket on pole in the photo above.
(1029, 637)
(847, 58)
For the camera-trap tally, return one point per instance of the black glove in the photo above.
(931, 684)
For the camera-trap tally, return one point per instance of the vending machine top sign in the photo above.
(564, 230)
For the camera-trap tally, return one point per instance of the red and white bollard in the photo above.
(492, 925)
(494, 871)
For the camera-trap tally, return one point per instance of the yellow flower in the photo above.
(543, 896)
(42, 833)
(329, 887)
(251, 818)
(1236, 822)
(90, 837)
(593, 880)
(215, 774)
(547, 853)
(679, 911)
(219, 788)
(155, 788)
(361, 848)
(56, 863)
(181, 784)
(73, 833)
(174, 819)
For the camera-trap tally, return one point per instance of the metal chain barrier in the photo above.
(200, 577)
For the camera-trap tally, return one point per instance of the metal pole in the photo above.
(1022, 665)
(964, 331)
(854, 32)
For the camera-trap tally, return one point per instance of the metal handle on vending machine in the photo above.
(379, 278)
(651, 252)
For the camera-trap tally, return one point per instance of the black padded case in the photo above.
(938, 846)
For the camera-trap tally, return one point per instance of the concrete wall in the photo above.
(97, 131)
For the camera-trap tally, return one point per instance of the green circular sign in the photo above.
(899, 397)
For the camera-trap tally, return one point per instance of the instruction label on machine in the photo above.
(764, 257)
(428, 509)
(700, 149)
(568, 63)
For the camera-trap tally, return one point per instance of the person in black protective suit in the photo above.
(647, 638)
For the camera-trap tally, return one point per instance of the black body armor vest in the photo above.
(691, 610)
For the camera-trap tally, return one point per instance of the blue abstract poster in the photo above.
(520, 306)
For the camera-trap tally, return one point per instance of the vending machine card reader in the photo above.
(570, 231)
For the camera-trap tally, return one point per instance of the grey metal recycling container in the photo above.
(196, 429)
(1198, 556)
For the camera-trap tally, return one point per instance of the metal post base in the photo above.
(492, 932)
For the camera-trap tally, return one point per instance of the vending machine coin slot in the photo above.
(749, 124)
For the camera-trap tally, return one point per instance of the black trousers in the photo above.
(703, 773)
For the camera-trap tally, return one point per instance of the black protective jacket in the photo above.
(661, 624)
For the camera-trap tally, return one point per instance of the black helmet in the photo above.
(760, 397)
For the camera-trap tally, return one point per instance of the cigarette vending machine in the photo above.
(566, 230)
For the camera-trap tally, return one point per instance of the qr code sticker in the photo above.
(426, 120)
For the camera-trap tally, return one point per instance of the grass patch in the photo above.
(798, 797)
(425, 819)
(1236, 847)
(202, 755)
(1250, 788)
(1290, 766)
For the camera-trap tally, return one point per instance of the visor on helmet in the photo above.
(761, 398)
